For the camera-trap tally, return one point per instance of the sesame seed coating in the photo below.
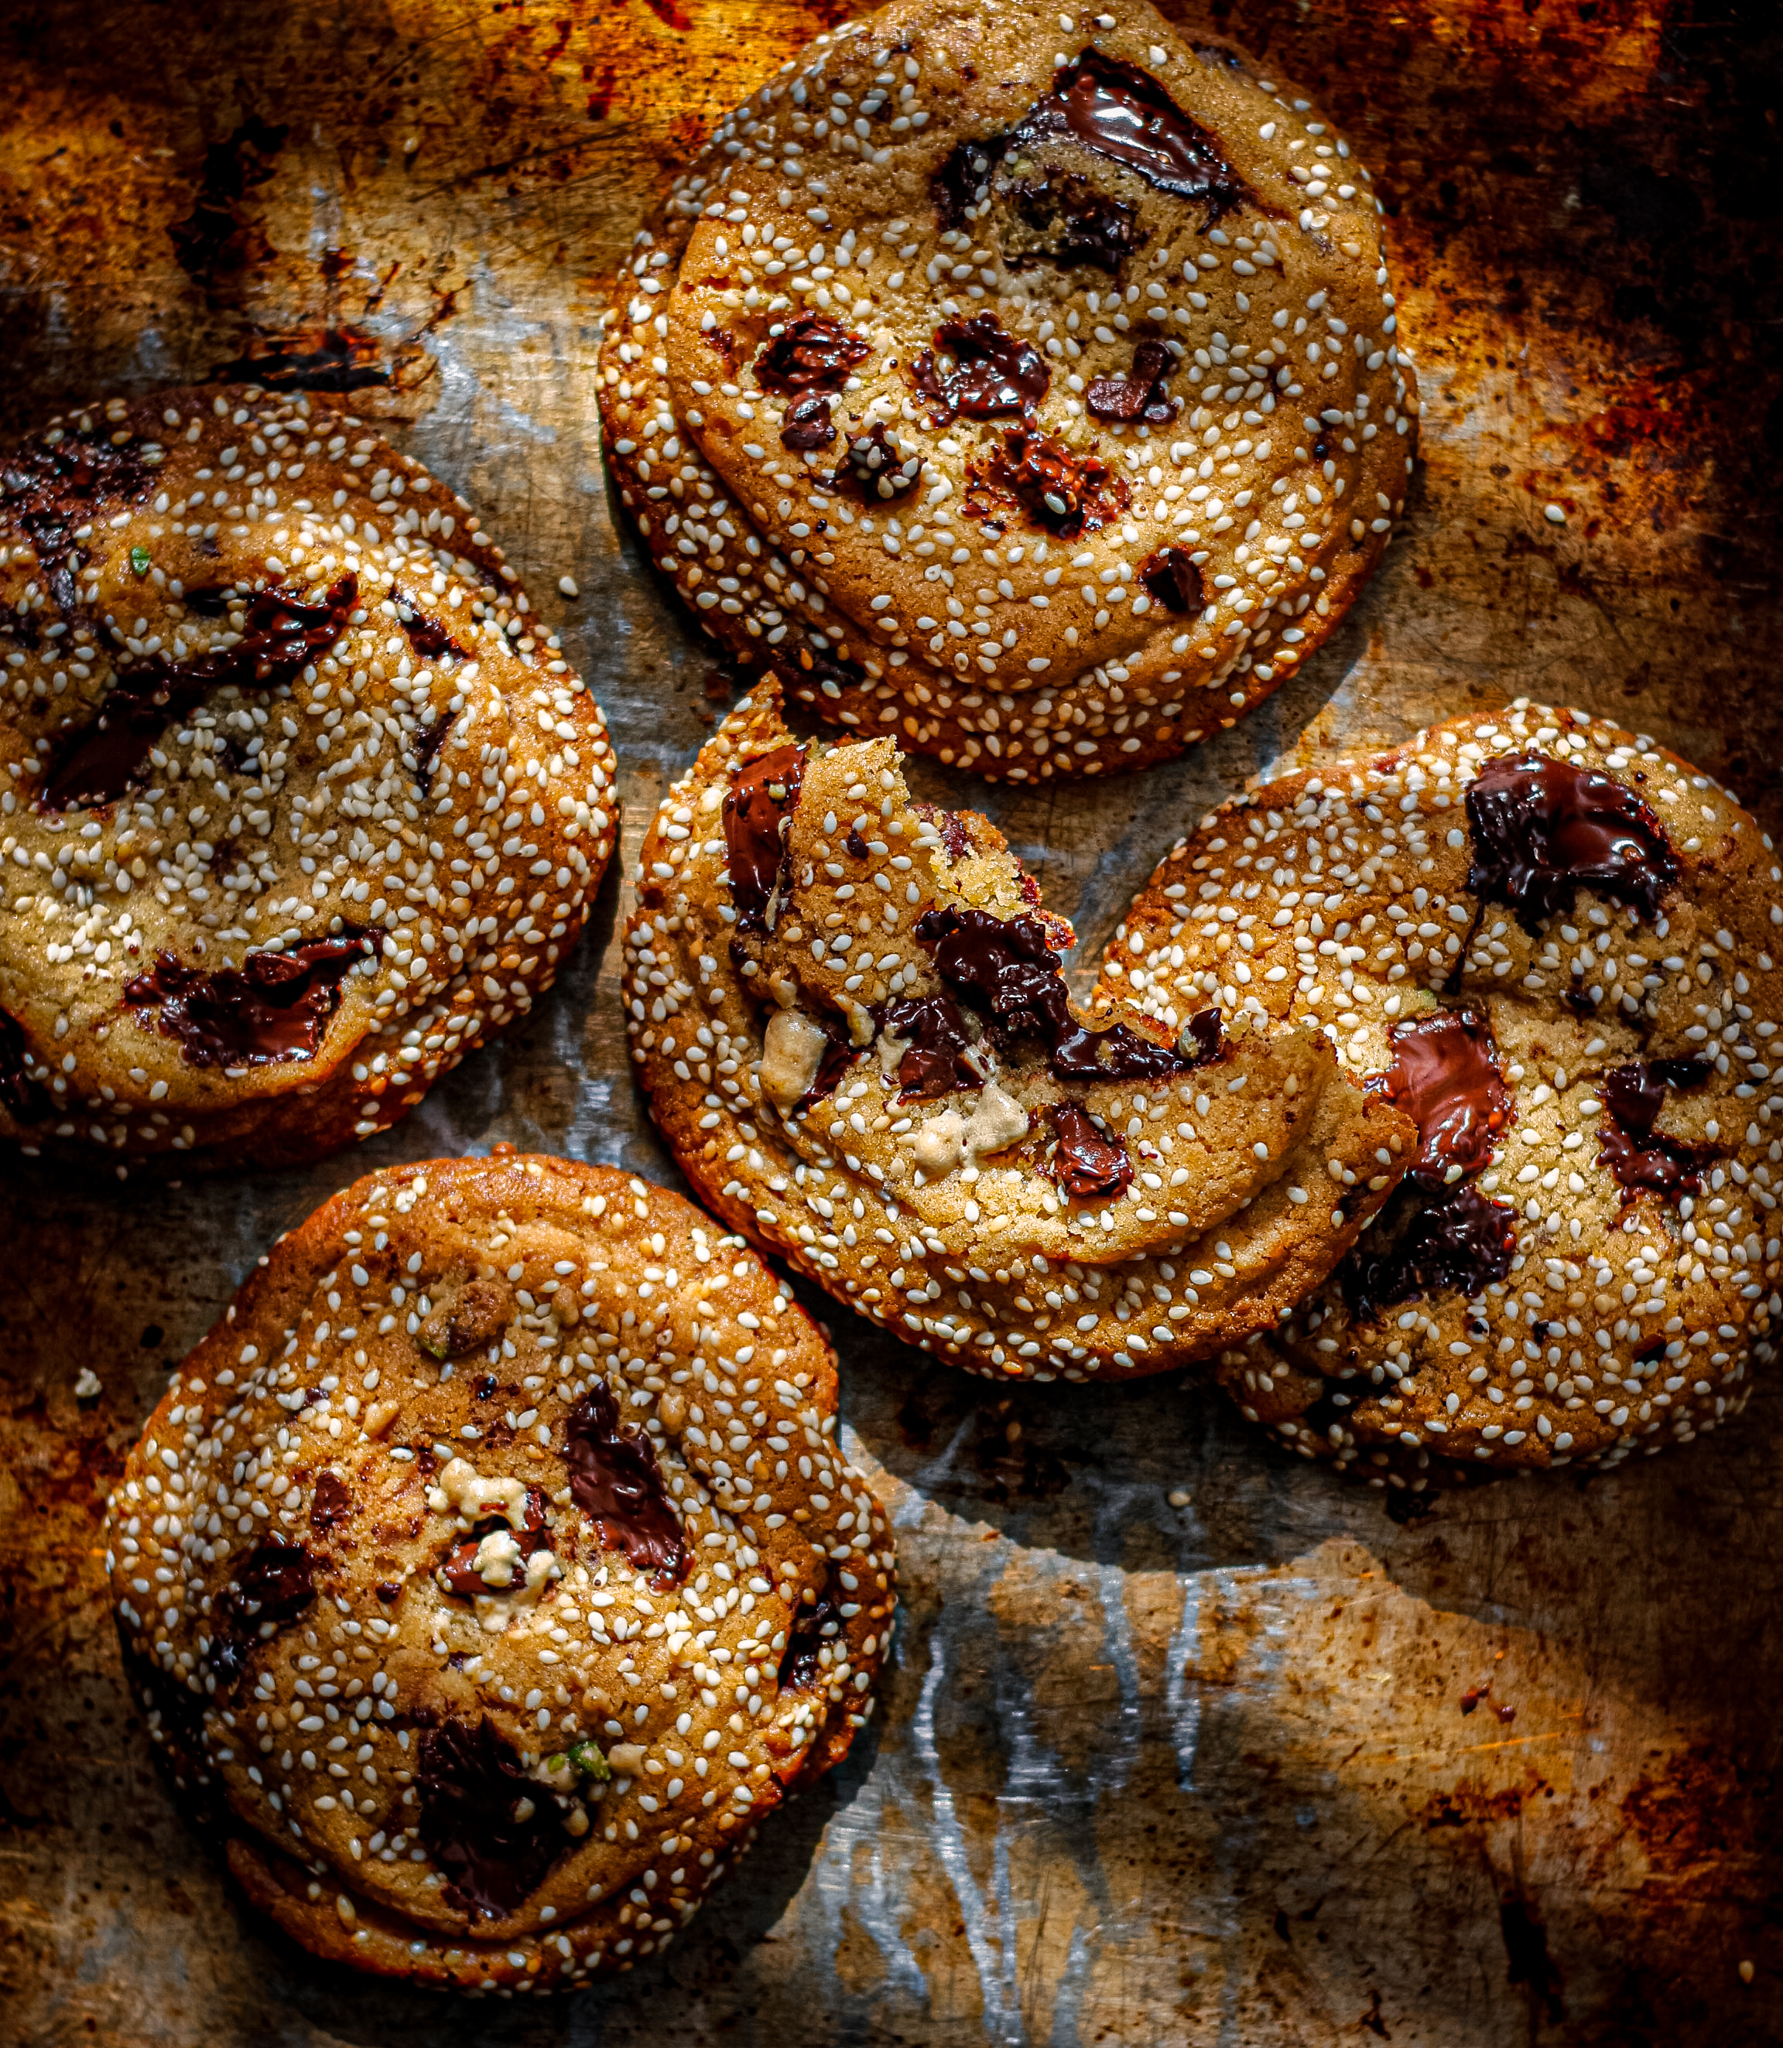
(491, 1570)
(299, 801)
(1624, 1178)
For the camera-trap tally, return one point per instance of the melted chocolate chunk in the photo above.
(1171, 578)
(1542, 828)
(1081, 226)
(1063, 491)
(282, 633)
(993, 375)
(274, 1586)
(963, 182)
(1142, 394)
(1010, 966)
(427, 636)
(424, 754)
(1202, 1031)
(1459, 1241)
(492, 1831)
(459, 1573)
(25, 1099)
(273, 1007)
(1086, 1163)
(756, 806)
(1124, 114)
(331, 1503)
(938, 1039)
(51, 487)
(1445, 1077)
(811, 353)
(876, 466)
(614, 1478)
(1638, 1155)
(808, 423)
(812, 1627)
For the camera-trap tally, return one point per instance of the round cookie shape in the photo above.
(492, 1569)
(1555, 945)
(848, 1011)
(1021, 420)
(298, 802)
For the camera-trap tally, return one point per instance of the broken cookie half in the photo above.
(848, 1010)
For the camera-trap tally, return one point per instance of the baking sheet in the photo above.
(1144, 1773)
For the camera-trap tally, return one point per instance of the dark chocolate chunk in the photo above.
(816, 660)
(459, 1574)
(1445, 1077)
(273, 1007)
(281, 633)
(857, 847)
(808, 423)
(963, 182)
(489, 1827)
(1086, 1163)
(52, 486)
(26, 1100)
(876, 466)
(427, 636)
(1124, 114)
(1200, 1041)
(1171, 578)
(1074, 223)
(993, 374)
(1062, 490)
(331, 1503)
(1638, 1155)
(274, 1586)
(935, 1064)
(425, 751)
(811, 353)
(614, 1478)
(1142, 394)
(1543, 828)
(815, 1624)
(756, 806)
(1457, 1241)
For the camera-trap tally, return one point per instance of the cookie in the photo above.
(298, 800)
(1030, 393)
(848, 1011)
(491, 1570)
(1555, 945)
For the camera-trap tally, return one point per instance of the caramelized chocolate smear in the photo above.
(614, 1478)
(1171, 578)
(331, 1503)
(1063, 491)
(274, 1586)
(1637, 1154)
(812, 353)
(1124, 114)
(281, 634)
(761, 797)
(812, 1627)
(425, 752)
(473, 1792)
(1542, 828)
(1445, 1077)
(994, 374)
(1142, 394)
(460, 1568)
(273, 1007)
(808, 423)
(1460, 1241)
(1009, 965)
(427, 636)
(935, 1064)
(26, 1101)
(1086, 1162)
(876, 466)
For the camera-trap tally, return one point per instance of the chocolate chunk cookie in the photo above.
(849, 1013)
(492, 1570)
(1029, 391)
(1554, 945)
(298, 803)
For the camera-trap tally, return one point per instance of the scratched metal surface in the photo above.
(1144, 1774)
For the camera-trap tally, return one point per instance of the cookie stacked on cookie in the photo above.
(1026, 390)
(492, 1570)
(298, 801)
(848, 1011)
(1555, 946)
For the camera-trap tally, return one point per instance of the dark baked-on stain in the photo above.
(25, 1099)
(816, 1623)
(274, 1586)
(1542, 828)
(1086, 1162)
(1008, 965)
(935, 1063)
(343, 359)
(1458, 1241)
(994, 373)
(273, 1007)
(812, 352)
(489, 1827)
(759, 800)
(281, 633)
(1172, 578)
(1142, 394)
(1637, 1154)
(614, 1478)
(1445, 1077)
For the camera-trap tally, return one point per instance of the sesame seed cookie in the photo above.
(848, 1012)
(492, 1570)
(298, 803)
(1554, 944)
(1003, 393)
